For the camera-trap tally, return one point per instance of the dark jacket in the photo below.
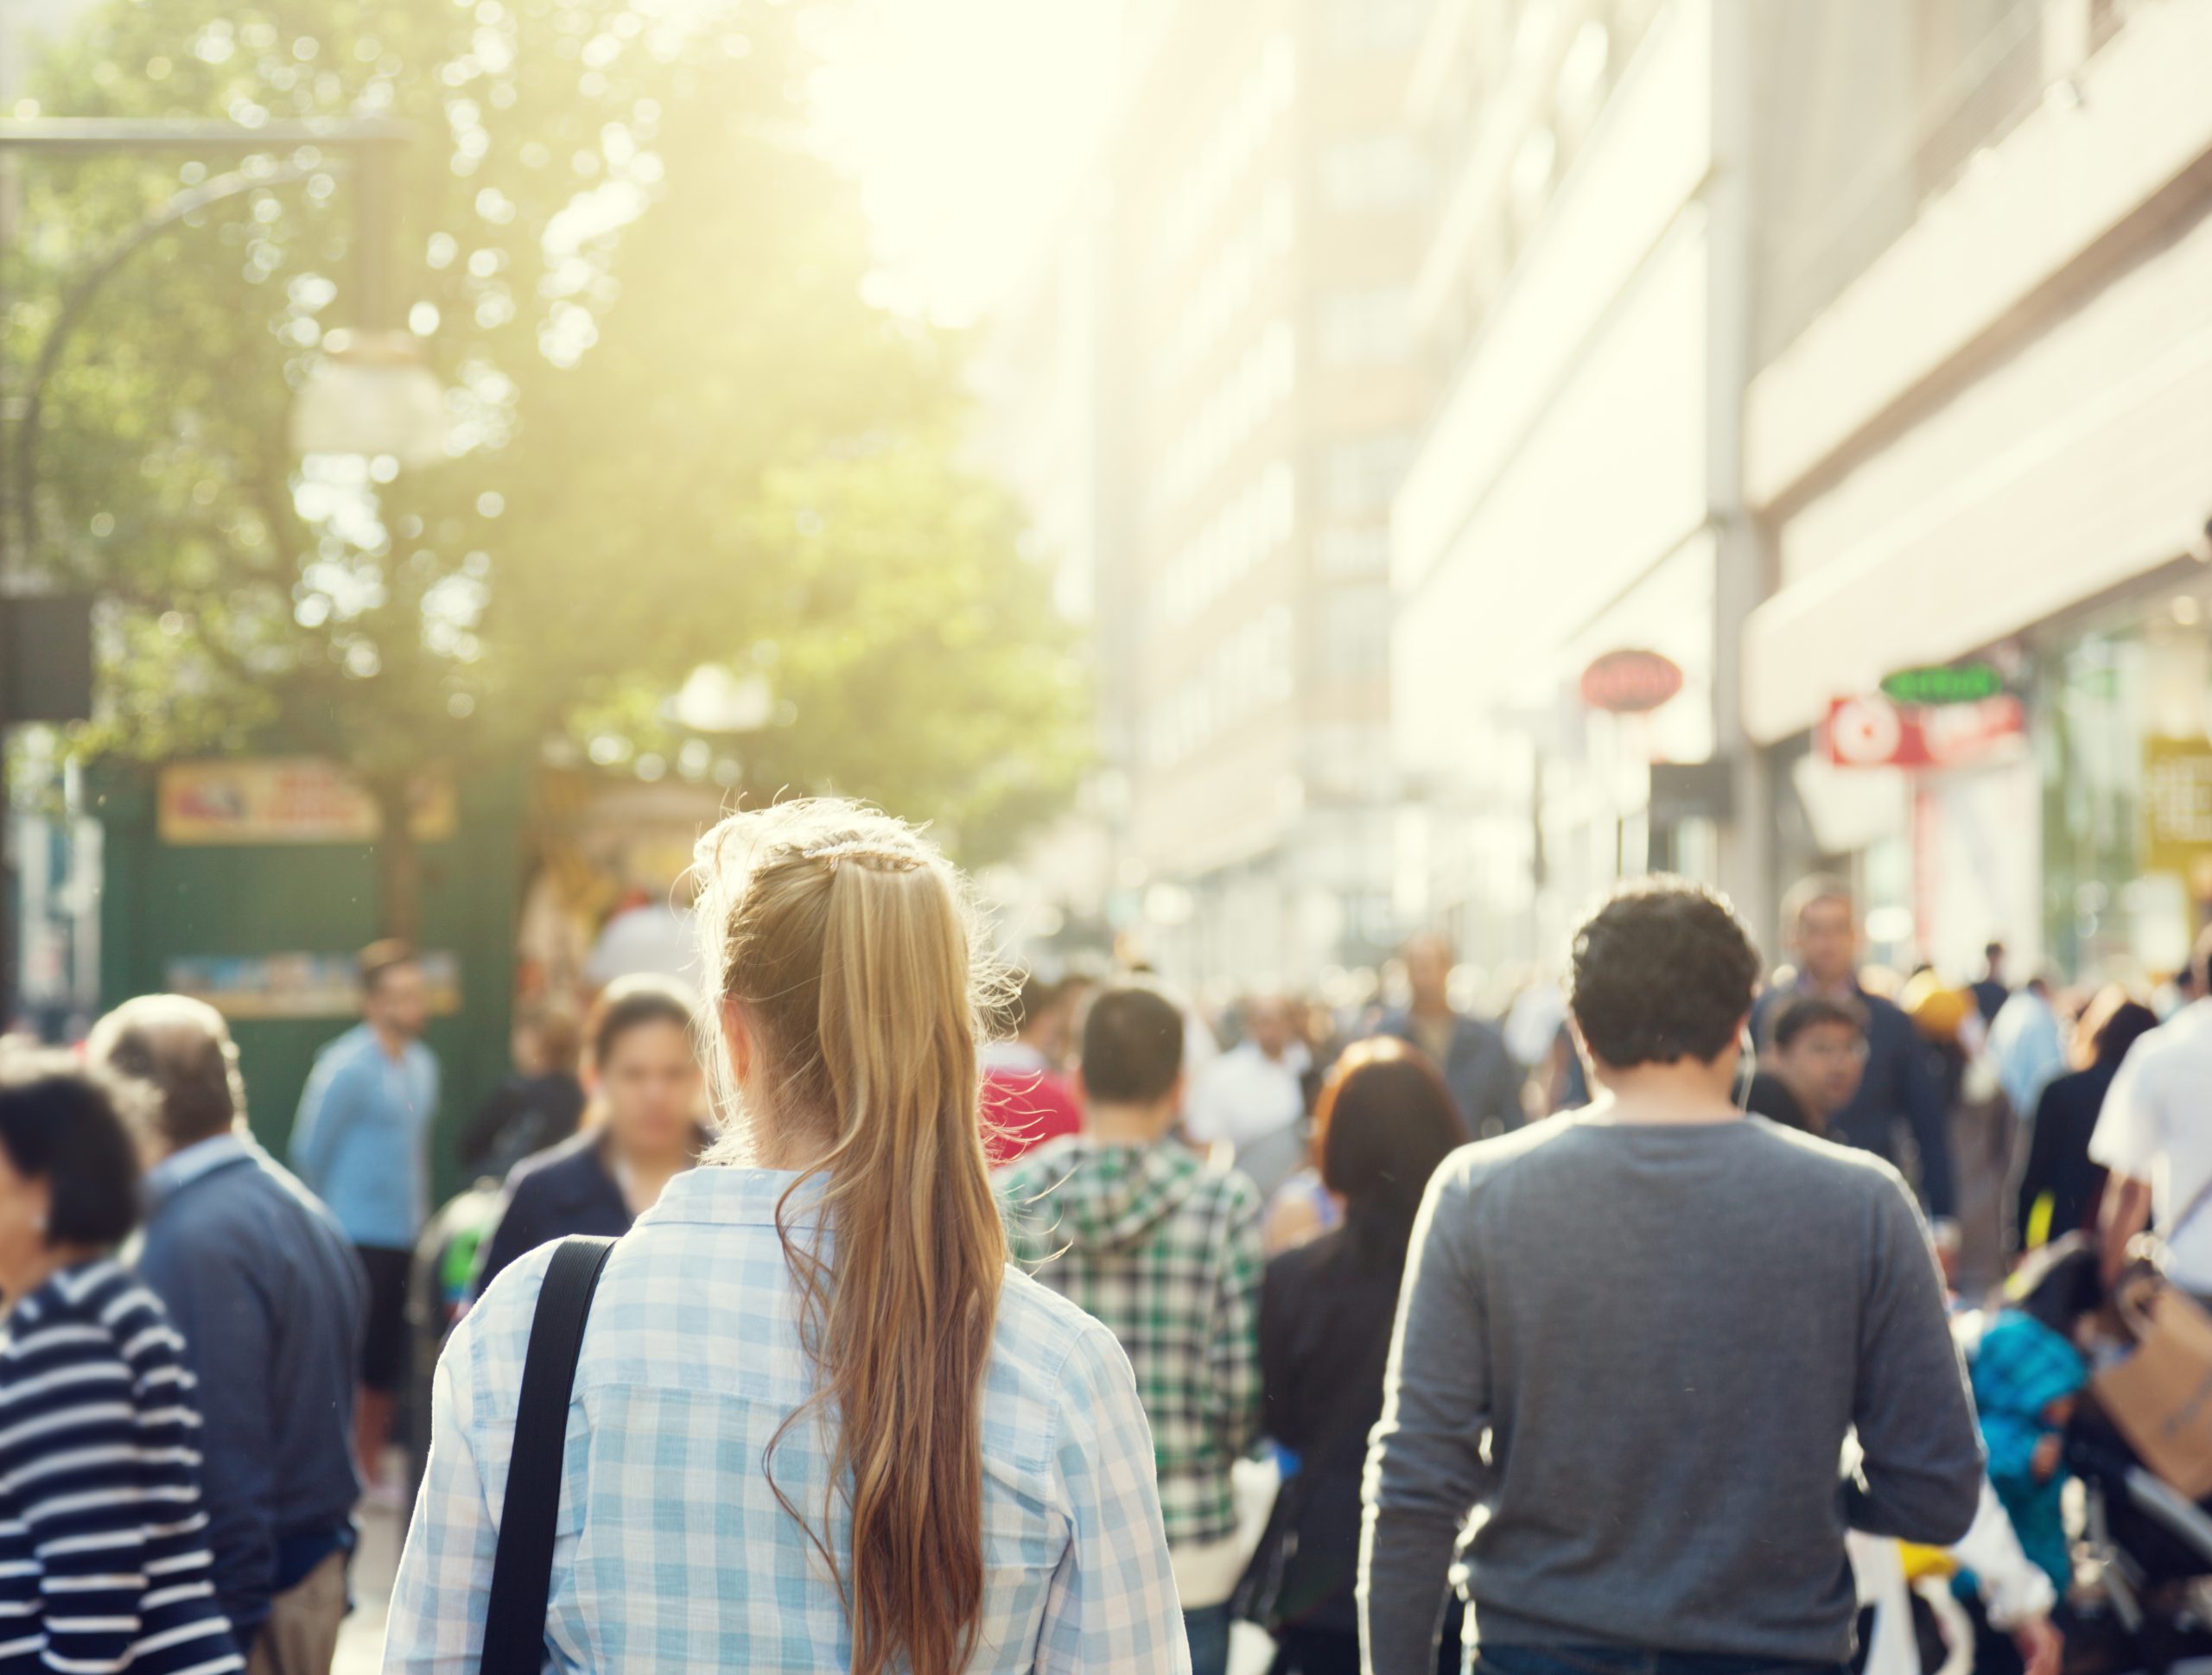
(1485, 1083)
(1325, 1315)
(1771, 1098)
(566, 1190)
(2058, 1154)
(521, 1117)
(1897, 1087)
(270, 1300)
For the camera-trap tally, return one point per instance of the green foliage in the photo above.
(687, 439)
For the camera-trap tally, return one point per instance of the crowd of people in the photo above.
(961, 1323)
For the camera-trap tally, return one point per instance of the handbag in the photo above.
(522, 1566)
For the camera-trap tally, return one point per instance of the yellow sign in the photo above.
(285, 799)
(2177, 806)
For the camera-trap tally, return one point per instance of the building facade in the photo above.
(1577, 490)
(1262, 390)
(1980, 427)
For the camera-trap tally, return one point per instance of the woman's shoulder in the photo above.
(99, 1312)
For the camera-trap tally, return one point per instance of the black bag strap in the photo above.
(522, 1568)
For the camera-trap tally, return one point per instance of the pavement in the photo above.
(360, 1642)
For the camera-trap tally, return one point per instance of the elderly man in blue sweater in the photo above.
(269, 1298)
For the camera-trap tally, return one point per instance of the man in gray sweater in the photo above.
(1637, 1339)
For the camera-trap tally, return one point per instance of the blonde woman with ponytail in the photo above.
(818, 1423)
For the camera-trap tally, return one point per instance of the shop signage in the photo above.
(258, 985)
(1948, 683)
(284, 799)
(1631, 683)
(1876, 732)
(2177, 804)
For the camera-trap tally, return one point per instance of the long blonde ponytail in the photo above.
(844, 937)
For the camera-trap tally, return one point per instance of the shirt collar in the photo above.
(719, 1196)
(181, 1168)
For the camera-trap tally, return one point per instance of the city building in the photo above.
(1979, 432)
(1261, 391)
(1575, 497)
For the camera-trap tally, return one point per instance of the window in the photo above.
(1359, 328)
(1379, 172)
(1352, 552)
(1358, 478)
(1378, 26)
(1355, 635)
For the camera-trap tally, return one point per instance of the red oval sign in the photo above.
(1631, 683)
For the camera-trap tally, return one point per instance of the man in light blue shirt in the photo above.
(360, 1143)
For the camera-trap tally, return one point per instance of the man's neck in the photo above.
(1840, 987)
(1127, 1124)
(394, 1044)
(1433, 1011)
(1686, 1091)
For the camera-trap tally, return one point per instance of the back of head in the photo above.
(1384, 1123)
(1663, 970)
(2113, 1023)
(1132, 1047)
(843, 939)
(62, 1122)
(183, 1049)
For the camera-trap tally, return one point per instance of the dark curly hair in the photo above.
(1663, 971)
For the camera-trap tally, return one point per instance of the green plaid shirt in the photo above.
(1165, 1250)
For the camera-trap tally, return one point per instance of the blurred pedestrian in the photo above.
(1990, 990)
(1810, 1066)
(825, 1428)
(1896, 1089)
(1385, 1122)
(1571, 1355)
(646, 935)
(360, 1142)
(1143, 1233)
(641, 1131)
(104, 1552)
(1025, 1101)
(2028, 1043)
(538, 1105)
(1253, 1097)
(2059, 1187)
(2155, 1135)
(1485, 1083)
(271, 1302)
(1985, 1135)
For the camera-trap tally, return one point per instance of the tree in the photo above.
(684, 438)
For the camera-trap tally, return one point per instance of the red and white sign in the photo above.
(1874, 732)
(1631, 683)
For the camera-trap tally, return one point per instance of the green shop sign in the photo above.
(1950, 684)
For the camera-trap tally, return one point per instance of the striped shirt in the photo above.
(104, 1560)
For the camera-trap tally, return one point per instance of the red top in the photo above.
(1022, 1109)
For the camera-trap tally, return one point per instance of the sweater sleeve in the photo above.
(1919, 1476)
(1424, 1465)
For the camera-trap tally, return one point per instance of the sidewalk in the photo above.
(360, 1642)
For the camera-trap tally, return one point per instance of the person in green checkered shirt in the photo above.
(1139, 1230)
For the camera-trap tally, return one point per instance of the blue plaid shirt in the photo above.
(671, 1552)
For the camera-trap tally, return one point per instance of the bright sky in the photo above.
(966, 122)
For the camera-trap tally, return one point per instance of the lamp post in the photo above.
(371, 393)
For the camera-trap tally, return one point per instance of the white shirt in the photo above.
(1244, 1095)
(2156, 1127)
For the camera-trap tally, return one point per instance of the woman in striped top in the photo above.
(104, 1559)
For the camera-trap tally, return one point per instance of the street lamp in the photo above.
(371, 393)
